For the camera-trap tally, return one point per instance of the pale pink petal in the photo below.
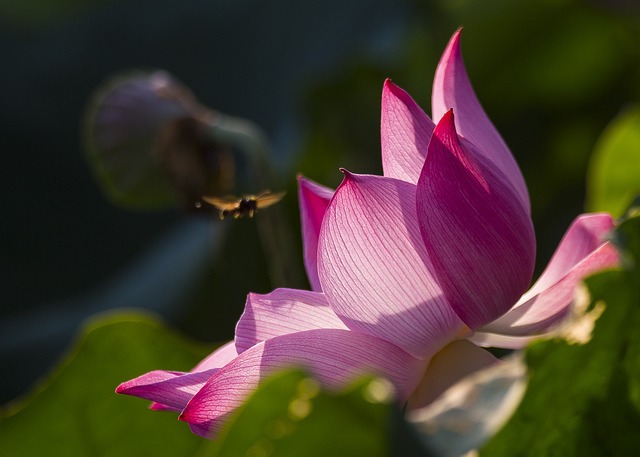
(495, 340)
(335, 357)
(405, 131)
(280, 312)
(455, 361)
(452, 89)
(374, 267)
(585, 234)
(218, 358)
(544, 310)
(478, 236)
(313, 199)
(168, 389)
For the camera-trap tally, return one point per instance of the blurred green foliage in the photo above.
(76, 412)
(584, 400)
(290, 416)
(614, 171)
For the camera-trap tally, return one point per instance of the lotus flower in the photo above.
(411, 271)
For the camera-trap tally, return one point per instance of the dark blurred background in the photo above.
(550, 74)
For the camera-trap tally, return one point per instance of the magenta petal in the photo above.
(405, 131)
(314, 200)
(478, 236)
(155, 406)
(335, 357)
(582, 251)
(375, 270)
(170, 389)
(281, 312)
(452, 89)
(216, 359)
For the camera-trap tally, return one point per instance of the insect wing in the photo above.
(228, 203)
(269, 199)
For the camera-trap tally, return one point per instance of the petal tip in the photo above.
(449, 118)
(388, 85)
(304, 182)
(454, 42)
(391, 88)
(185, 415)
(347, 174)
(349, 179)
(446, 130)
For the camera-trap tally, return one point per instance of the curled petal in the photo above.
(581, 252)
(335, 357)
(585, 234)
(375, 270)
(473, 410)
(405, 131)
(448, 366)
(478, 236)
(281, 312)
(170, 390)
(452, 89)
(218, 358)
(314, 200)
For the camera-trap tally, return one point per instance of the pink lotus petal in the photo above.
(478, 236)
(335, 357)
(374, 267)
(451, 364)
(452, 89)
(218, 358)
(168, 389)
(585, 234)
(281, 312)
(155, 406)
(538, 312)
(495, 340)
(405, 131)
(314, 200)
(198, 430)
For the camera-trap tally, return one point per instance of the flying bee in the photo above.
(246, 205)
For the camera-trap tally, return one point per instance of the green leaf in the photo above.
(76, 411)
(614, 172)
(584, 400)
(290, 416)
